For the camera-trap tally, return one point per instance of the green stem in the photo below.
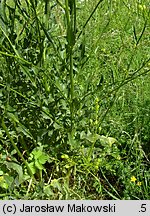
(71, 90)
(70, 41)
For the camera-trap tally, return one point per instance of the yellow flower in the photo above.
(133, 179)
(64, 156)
(142, 7)
(139, 183)
(118, 158)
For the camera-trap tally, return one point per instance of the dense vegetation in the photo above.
(74, 99)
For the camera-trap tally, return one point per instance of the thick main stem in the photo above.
(69, 9)
(71, 89)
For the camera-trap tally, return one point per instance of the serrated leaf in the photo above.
(37, 153)
(42, 159)
(39, 165)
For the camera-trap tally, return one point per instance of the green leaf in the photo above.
(32, 167)
(24, 130)
(42, 159)
(90, 137)
(48, 191)
(28, 74)
(55, 183)
(17, 168)
(11, 4)
(3, 183)
(39, 165)
(13, 117)
(1, 172)
(37, 153)
(46, 113)
(107, 140)
(111, 140)
(8, 180)
(39, 156)
(45, 116)
(94, 137)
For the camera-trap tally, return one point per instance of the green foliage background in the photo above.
(74, 99)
